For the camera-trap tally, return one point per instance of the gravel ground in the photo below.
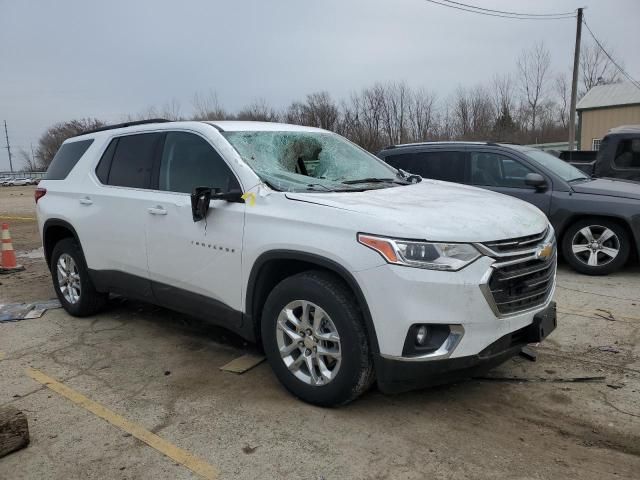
(160, 369)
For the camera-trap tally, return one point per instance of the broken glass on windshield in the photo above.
(317, 161)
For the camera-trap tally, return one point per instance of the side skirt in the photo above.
(199, 306)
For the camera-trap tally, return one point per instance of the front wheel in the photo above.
(596, 246)
(314, 338)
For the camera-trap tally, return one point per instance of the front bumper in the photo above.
(396, 376)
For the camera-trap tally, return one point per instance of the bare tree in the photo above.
(596, 68)
(422, 116)
(207, 107)
(533, 67)
(258, 110)
(319, 110)
(30, 163)
(563, 94)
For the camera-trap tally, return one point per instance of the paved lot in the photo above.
(158, 371)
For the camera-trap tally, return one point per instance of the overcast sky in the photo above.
(69, 59)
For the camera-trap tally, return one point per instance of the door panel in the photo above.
(203, 258)
(504, 174)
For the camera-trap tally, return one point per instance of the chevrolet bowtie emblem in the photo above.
(545, 252)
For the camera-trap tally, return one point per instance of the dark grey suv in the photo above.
(597, 221)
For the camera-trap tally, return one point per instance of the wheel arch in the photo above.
(274, 266)
(53, 231)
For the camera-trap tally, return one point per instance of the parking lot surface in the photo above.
(137, 372)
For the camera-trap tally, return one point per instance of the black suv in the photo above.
(597, 221)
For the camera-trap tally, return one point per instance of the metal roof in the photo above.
(609, 95)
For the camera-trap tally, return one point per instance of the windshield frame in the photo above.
(317, 184)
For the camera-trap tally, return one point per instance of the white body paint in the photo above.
(117, 233)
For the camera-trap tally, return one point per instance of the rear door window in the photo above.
(439, 165)
(189, 161)
(495, 170)
(132, 160)
(66, 158)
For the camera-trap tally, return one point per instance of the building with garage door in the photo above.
(605, 107)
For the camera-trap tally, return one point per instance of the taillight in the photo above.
(39, 193)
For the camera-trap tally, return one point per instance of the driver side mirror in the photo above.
(535, 180)
(200, 200)
(202, 196)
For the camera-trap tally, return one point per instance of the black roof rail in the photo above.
(126, 124)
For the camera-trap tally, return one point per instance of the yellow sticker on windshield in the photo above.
(250, 198)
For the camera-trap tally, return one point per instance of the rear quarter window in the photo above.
(66, 158)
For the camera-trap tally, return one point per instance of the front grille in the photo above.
(521, 286)
(513, 246)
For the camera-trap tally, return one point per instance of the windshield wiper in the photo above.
(372, 180)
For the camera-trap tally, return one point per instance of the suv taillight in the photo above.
(39, 193)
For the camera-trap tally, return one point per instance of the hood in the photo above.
(437, 211)
(609, 186)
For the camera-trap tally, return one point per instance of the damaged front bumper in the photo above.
(395, 376)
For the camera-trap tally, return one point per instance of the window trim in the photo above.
(155, 175)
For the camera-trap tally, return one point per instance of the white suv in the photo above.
(344, 268)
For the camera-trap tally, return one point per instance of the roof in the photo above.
(448, 142)
(610, 95)
(249, 126)
(626, 129)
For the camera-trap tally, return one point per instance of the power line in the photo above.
(497, 14)
(514, 13)
(634, 82)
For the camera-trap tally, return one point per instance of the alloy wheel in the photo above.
(308, 342)
(595, 245)
(68, 278)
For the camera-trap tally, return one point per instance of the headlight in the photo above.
(434, 256)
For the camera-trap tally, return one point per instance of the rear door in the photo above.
(113, 216)
(506, 174)
(195, 267)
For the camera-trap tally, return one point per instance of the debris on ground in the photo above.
(609, 348)
(529, 353)
(607, 315)
(14, 430)
(13, 312)
(243, 364)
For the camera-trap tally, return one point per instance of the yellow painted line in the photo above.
(177, 454)
(7, 217)
(2, 355)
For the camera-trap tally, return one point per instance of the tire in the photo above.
(584, 234)
(88, 301)
(325, 294)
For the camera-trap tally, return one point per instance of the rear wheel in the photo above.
(596, 246)
(314, 338)
(71, 280)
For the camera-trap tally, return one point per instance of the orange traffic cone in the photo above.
(9, 263)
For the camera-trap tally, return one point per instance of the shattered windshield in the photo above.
(311, 161)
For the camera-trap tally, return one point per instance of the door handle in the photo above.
(86, 201)
(157, 210)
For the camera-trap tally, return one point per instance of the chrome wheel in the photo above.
(68, 278)
(308, 342)
(595, 245)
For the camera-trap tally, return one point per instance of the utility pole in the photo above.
(6, 135)
(574, 84)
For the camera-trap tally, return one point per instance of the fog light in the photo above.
(422, 335)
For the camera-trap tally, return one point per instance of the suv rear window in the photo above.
(66, 158)
(132, 161)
